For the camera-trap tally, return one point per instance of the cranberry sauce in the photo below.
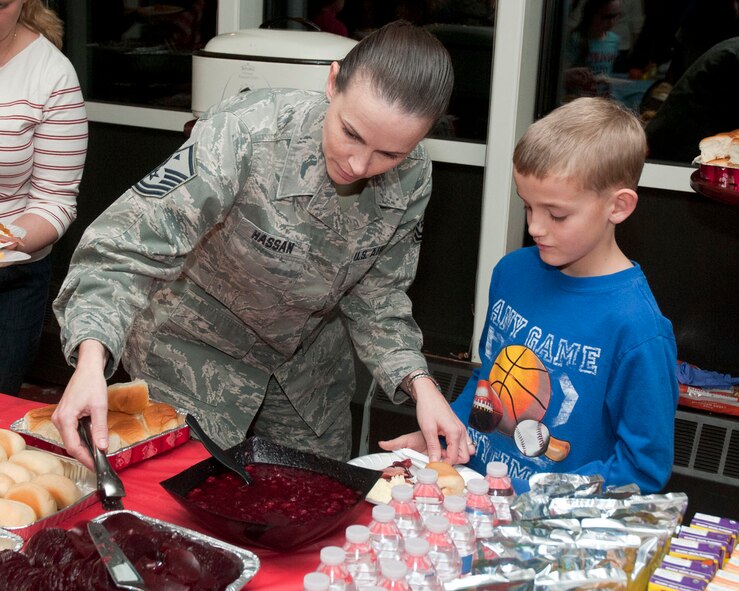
(278, 495)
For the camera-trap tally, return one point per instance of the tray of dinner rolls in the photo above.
(39, 488)
(138, 427)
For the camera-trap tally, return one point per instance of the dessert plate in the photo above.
(380, 461)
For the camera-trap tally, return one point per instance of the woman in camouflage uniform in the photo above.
(236, 277)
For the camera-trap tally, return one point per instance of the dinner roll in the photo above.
(35, 496)
(36, 416)
(129, 429)
(63, 489)
(11, 442)
(37, 461)
(3, 455)
(5, 483)
(128, 397)
(160, 417)
(15, 514)
(450, 482)
(17, 472)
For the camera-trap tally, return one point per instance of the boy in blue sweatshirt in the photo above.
(578, 368)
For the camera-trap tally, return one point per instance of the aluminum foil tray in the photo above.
(249, 561)
(10, 541)
(122, 457)
(87, 483)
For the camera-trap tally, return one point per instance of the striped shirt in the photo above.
(43, 137)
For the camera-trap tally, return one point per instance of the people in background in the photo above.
(578, 365)
(238, 276)
(592, 50)
(43, 144)
(700, 104)
(325, 14)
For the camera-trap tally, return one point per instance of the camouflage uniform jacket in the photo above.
(234, 261)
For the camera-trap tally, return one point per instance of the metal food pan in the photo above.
(87, 483)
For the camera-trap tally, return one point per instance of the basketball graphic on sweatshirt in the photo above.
(522, 384)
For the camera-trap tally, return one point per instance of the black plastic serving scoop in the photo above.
(219, 454)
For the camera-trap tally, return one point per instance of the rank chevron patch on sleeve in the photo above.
(178, 169)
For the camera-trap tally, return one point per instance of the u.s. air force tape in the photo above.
(178, 169)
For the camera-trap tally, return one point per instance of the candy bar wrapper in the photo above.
(666, 580)
(693, 550)
(722, 540)
(727, 578)
(554, 484)
(514, 580)
(704, 569)
(607, 577)
(720, 524)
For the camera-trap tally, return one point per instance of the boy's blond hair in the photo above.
(591, 141)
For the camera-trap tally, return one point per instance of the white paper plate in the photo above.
(13, 256)
(9, 257)
(380, 461)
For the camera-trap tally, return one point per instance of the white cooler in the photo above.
(259, 58)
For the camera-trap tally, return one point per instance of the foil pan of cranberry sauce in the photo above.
(273, 530)
(123, 457)
(85, 480)
(247, 562)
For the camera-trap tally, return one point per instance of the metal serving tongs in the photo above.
(219, 454)
(109, 485)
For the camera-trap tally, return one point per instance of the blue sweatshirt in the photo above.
(579, 376)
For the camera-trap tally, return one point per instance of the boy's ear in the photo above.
(333, 71)
(623, 205)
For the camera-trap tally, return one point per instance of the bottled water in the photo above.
(427, 494)
(333, 564)
(460, 529)
(442, 551)
(421, 572)
(316, 582)
(480, 508)
(407, 517)
(361, 558)
(392, 575)
(501, 490)
(384, 533)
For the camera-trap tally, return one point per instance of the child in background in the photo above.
(578, 366)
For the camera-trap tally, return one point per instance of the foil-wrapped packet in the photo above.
(509, 579)
(608, 577)
(554, 484)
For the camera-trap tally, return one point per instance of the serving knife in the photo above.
(109, 485)
(120, 568)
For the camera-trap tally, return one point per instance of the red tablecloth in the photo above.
(278, 571)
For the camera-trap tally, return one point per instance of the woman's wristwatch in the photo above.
(407, 384)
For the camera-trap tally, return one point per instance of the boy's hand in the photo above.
(414, 441)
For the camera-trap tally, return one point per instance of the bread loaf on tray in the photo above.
(132, 416)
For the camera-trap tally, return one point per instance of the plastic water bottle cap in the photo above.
(455, 503)
(416, 546)
(497, 469)
(393, 569)
(402, 492)
(332, 555)
(437, 524)
(427, 476)
(316, 582)
(357, 534)
(383, 513)
(478, 486)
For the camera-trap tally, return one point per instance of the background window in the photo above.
(674, 62)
